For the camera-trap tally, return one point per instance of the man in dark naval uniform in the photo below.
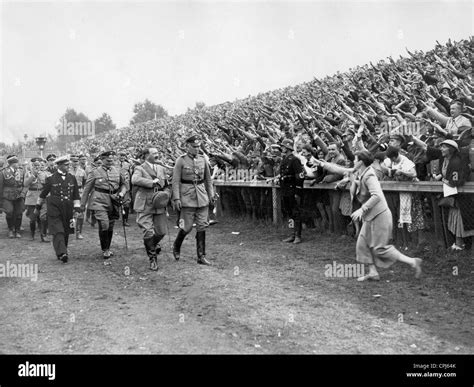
(62, 202)
(291, 185)
(192, 194)
(107, 186)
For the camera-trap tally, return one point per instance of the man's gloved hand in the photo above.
(77, 210)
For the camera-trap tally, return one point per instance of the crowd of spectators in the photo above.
(402, 110)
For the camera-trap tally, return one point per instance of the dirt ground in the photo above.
(261, 296)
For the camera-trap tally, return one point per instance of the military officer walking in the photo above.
(109, 186)
(291, 186)
(34, 181)
(192, 194)
(62, 202)
(80, 175)
(152, 197)
(12, 194)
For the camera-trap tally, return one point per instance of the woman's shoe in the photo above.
(370, 277)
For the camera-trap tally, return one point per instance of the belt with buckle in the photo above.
(192, 181)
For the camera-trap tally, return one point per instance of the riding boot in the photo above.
(150, 251)
(201, 248)
(32, 230)
(177, 244)
(79, 224)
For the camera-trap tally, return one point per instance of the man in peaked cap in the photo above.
(35, 180)
(107, 186)
(291, 185)
(192, 193)
(61, 193)
(12, 194)
(151, 182)
(51, 165)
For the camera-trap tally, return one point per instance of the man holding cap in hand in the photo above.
(151, 199)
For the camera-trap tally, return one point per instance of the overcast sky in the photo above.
(100, 57)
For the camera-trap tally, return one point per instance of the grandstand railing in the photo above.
(431, 189)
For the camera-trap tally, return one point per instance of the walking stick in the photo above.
(123, 225)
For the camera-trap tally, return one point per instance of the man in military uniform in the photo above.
(80, 175)
(83, 162)
(34, 181)
(291, 185)
(151, 199)
(62, 202)
(192, 193)
(12, 194)
(50, 159)
(126, 167)
(109, 185)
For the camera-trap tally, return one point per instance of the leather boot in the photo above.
(103, 235)
(44, 231)
(150, 251)
(156, 241)
(79, 224)
(126, 211)
(201, 248)
(32, 230)
(177, 244)
(299, 226)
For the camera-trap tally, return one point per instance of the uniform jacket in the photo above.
(63, 196)
(291, 175)
(81, 177)
(12, 183)
(35, 186)
(143, 180)
(196, 169)
(113, 181)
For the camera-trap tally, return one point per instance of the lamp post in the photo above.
(40, 141)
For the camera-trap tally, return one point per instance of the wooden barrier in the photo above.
(432, 188)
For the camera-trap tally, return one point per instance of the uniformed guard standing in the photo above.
(34, 181)
(62, 202)
(12, 195)
(109, 185)
(151, 199)
(291, 185)
(192, 193)
(80, 174)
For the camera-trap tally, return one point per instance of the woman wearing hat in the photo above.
(453, 174)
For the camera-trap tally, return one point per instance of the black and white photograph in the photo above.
(237, 178)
